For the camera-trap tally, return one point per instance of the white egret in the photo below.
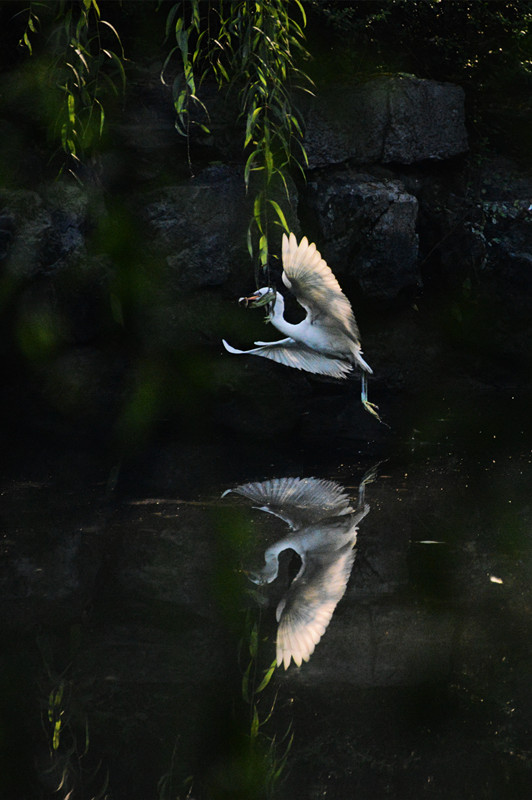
(327, 341)
(324, 526)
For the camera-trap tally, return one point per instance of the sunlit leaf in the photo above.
(279, 213)
(263, 250)
(27, 42)
(112, 27)
(71, 103)
(267, 677)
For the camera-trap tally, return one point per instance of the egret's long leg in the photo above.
(369, 477)
(362, 507)
(371, 407)
(364, 392)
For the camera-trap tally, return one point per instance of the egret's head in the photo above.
(265, 575)
(261, 298)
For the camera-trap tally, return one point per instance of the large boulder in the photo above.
(400, 119)
(199, 228)
(366, 229)
(42, 232)
(188, 223)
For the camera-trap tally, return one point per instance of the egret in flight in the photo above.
(324, 532)
(327, 341)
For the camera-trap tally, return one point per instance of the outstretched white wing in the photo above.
(307, 274)
(306, 611)
(298, 501)
(296, 355)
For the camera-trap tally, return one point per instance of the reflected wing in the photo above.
(306, 611)
(314, 285)
(298, 501)
(296, 355)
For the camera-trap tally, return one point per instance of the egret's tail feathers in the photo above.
(363, 364)
(231, 349)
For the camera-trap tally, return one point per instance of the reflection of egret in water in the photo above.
(327, 341)
(324, 526)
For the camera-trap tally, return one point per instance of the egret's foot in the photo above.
(373, 409)
(370, 475)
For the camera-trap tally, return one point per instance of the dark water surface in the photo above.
(128, 618)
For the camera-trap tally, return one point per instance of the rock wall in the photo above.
(397, 120)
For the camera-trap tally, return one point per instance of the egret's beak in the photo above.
(257, 579)
(257, 300)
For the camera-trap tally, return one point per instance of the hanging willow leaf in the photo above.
(249, 166)
(245, 683)
(254, 641)
(251, 123)
(277, 208)
(263, 251)
(267, 677)
(257, 211)
(251, 48)
(255, 724)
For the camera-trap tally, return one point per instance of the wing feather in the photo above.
(309, 606)
(296, 355)
(298, 501)
(315, 287)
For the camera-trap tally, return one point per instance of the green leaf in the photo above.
(57, 734)
(276, 207)
(182, 42)
(195, 14)
(257, 211)
(249, 166)
(250, 124)
(27, 42)
(254, 641)
(302, 10)
(71, 106)
(267, 677)
(170, 19)
(180, 103)
(263, 251)
(102, 117)
(119, 65)
(220, 67)
(199, 103)
(245, 683)
(112, 27)
(268, 160)
(165, 63)
(249, 241)
(255, 724)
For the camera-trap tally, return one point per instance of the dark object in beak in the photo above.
(257, 300)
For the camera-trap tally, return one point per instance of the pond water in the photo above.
(135, 642)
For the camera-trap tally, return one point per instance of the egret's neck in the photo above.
(277, 317)
(269, 572)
